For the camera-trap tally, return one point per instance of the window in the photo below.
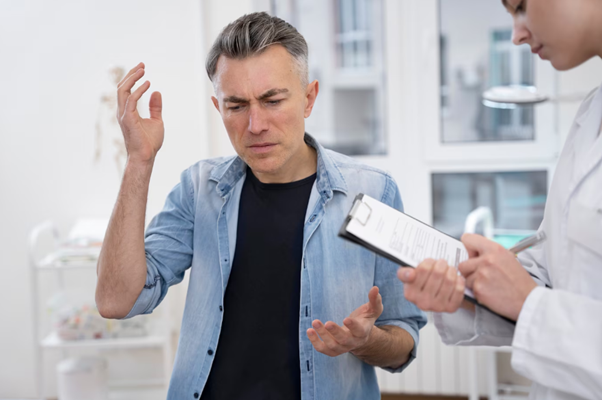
(345, 39)
(516, 199)
(354, 34)
(473, 58)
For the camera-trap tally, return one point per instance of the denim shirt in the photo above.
(197, 229)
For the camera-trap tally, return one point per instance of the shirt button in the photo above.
(210, 352)
(313, 218)
(196, 395)
(221, 308)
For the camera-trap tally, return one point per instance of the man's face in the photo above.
(264, 106)
(557, 30)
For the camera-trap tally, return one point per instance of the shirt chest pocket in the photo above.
(585, 227)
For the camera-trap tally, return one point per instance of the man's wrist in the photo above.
(373, 337)
(136, 166)
(385, 347)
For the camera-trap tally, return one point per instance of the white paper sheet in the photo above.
(402, 236)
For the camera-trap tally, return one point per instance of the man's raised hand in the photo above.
(143, 136)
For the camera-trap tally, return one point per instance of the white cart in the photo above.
(48, 268)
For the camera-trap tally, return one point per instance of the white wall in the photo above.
(54, 57)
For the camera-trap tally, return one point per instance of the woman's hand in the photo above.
(433, 286)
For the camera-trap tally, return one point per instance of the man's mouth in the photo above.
(262, 147)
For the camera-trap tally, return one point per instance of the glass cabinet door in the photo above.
(345, 39)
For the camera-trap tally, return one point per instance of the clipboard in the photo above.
(401, 238)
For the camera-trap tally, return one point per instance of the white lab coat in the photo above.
(557, 341)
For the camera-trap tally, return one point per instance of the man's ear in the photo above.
(215, 103)
(310, 97)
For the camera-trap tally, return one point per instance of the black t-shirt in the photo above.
(258, 352)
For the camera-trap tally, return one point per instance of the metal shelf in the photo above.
(51, 262)
(53, 341)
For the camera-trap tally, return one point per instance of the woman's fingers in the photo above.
(436, 278)
(457, 296)
(448, 285)
(435, 287)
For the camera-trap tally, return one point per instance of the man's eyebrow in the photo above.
(235, 99)
(268, 94)
(272, 92)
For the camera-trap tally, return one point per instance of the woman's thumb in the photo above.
(406, 274)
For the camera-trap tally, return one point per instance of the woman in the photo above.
(553, 291)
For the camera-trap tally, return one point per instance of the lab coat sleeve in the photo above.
(483, 328)
(533, 260)
(557, 342)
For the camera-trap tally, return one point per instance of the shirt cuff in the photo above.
(147, 297)
(414, 333)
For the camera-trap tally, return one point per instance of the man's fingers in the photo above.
(124, 90)
(341, 335)
(155, 105)
(355, 328)
(130, 73)
(326, 337)
(132, 101)
(406, 274)
(375, 298)
(318, 344)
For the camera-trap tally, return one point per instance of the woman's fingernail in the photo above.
(406, 274)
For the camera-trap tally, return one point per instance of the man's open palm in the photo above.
(334, 340)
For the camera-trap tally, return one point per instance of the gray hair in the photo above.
(251, 35)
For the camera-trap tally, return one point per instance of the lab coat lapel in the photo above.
(587, 158)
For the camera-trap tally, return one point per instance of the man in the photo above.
(259, 232)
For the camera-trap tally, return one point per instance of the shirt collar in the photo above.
(328, 177)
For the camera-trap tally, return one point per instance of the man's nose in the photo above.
(258, 121)
(520, 33)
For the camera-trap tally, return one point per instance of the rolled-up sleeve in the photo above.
(168, 246)
(397, 310)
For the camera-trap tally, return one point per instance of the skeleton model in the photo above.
(108, 135)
